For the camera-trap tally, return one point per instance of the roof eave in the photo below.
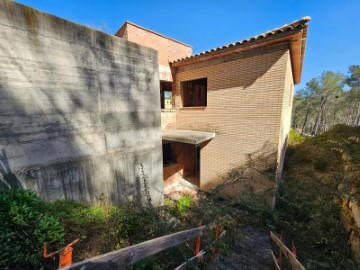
(298, 55)
(295, 39)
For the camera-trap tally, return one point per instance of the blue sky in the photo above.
(333, 38)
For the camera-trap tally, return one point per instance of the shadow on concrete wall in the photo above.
(43, 119)
(8, 179)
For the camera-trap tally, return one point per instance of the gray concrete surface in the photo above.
(79, 109)
(187, 136)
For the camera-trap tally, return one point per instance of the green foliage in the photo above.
(25, 226)
(184, 203)
(179, 207)
(146, 189)
(101, 228)
(28, 222)
(295, 138)
(148, 263)
(353, 80)
(326, 101)
(256, 204)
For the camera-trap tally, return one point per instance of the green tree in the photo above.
(306, 103)
(353, 96)
(322, 104)
(329, 86)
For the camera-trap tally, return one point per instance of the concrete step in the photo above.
(180, 188)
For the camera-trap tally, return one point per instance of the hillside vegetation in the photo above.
(321, 182)
(28, 222)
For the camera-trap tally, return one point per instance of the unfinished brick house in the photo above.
(81, 110)
(227, 103)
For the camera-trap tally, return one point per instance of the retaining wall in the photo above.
(79, 110)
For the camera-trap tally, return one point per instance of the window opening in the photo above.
(195, 93)
(166, 95)
(168, 154)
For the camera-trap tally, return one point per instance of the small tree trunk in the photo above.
(357, 117)
(306, 118)
(320, 116)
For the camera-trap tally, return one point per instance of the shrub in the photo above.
(184, 203)
(179, 207)
(24, 229)
(295, 138)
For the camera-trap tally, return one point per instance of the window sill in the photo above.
(194, 108)
(168, 110)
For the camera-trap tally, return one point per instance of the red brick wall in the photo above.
(168, 49)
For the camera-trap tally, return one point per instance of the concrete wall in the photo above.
(79, 109)
(169, 49)
(244, 106)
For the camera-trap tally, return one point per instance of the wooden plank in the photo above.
(197, 256)
(275, 261)
(192, 260)
(126, 256)
(287, 253)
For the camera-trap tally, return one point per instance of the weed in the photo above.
(295, 138)
(184, 203)
(180, 206)
(24, 228)
(146, 189)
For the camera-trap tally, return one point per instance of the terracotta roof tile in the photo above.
(299, 24)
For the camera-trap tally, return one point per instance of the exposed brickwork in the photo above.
(244, 106)
(169, 49)
(168, 119)
(249, 103)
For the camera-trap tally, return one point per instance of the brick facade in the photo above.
(168, 119)
(169, 49)
(249, 99)
(245, 101)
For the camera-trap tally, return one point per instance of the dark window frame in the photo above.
(194, 93)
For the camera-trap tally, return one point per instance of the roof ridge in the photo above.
(152, 31)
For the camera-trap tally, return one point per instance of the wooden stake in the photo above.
(217, 233)
(197, 247)
(280, 251)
